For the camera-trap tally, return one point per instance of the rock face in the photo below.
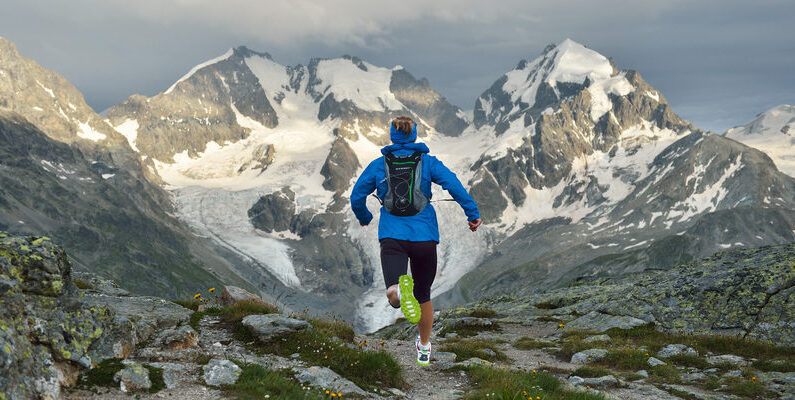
(273, 212)
(267, 327)
(49, 330)
(219, 372)
(699, 296)
(599, 322)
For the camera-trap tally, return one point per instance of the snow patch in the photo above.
(129, 129)
(369, 90)
(85, 131)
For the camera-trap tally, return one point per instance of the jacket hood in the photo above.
(421, 147)
(399, 137)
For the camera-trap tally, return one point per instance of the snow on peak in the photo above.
(575, 62)
(364, 84)
(195, 69)
(772, 132)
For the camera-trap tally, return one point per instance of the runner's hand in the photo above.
(474, 224)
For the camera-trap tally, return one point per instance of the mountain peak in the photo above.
(245, 52)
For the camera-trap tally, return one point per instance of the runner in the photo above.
(407, 229)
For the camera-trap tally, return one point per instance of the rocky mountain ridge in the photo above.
(565, 152)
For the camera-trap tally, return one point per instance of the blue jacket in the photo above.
(420, 227)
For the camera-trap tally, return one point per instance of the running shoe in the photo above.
(423, 354)
(408, 303)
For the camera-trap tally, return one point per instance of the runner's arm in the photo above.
(442, 175)
(363, 187)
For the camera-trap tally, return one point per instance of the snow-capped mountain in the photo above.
(578, 168)
(773, 132)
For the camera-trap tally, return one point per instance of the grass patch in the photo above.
(368, 369)
(689, 360)
(469, 330)
(744, 387)
(527, 343)
(507, 384)
(647, 335)
(465, 349)
(101, 375)
(256, 382)
(774, 365)
(664, 374)
(83, 284)
(156, 377)
(334, 328)
(570, 346)
(591, 372)
(625, 360)
(545, 305)
(483, 313)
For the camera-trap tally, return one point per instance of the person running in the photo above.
(407, 229)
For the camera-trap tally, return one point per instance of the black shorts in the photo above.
(395, 255)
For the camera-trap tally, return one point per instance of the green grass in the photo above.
(468, 330)
(156, 377)
(256, 382)
(624, 359)
(468, 348)
(527, 343)
(744, 387)
(334, 328)
(102, 374)
(680, 393)
(647, 335)
(514, 385)
(689, 360)
(774, 365)
(591, 372)
(483, 313)
(368, 369)
(545, 305)
(664, 374)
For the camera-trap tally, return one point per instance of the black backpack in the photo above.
(404, 197)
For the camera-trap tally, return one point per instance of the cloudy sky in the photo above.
(718, 62)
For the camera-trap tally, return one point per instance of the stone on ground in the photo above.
(325, 378)
(597, 338)
(727, 358)
(655, 361)
(133, 378)
(232, 295)
(602, 382)
(675, 350)
(219, 372)
(587, 356)
(269, 326)
(180, 338)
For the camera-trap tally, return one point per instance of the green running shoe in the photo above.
(408, 303)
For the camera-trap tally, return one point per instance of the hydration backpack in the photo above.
(403, 178)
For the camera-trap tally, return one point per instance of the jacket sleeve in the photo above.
(443, 176)
(363, 187)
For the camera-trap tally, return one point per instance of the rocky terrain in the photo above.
(718, 327)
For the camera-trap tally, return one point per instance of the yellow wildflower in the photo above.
(196, 296)
(212, 289)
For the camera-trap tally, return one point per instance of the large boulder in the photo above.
(269, 326)
(232, 295)
(587, 356)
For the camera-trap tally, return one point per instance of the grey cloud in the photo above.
(718, 62)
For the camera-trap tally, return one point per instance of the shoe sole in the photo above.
(408, 303)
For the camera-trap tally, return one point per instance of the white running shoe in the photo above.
(423, 353)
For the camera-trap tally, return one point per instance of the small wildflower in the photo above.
(587, 387)
(212, 289)
(327, 392)
(333, 395)
(196, 296)
(561, 325)
(339, 394)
